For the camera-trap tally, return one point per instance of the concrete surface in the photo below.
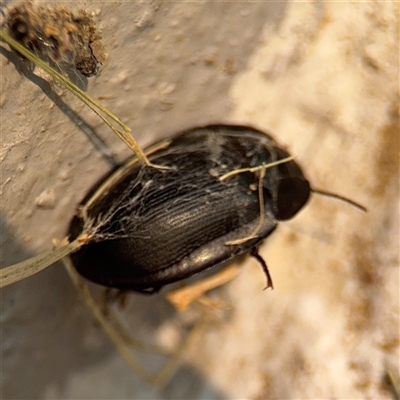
(323, 78)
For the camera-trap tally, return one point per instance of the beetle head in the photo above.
(285, 186)
(292, 191)
(291, 194)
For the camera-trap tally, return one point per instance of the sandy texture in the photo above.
(323, 78)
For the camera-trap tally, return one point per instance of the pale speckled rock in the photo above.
(324, 79)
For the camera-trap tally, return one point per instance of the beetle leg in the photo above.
(109, 323)
(254, 253)
(116, 296)
(181, 298)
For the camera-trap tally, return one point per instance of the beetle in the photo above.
(207, 195)
(152, 227)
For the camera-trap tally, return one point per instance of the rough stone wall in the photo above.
(323, 78)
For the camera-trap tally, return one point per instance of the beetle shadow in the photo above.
(41, 326)
(81, 124)
(48, 338)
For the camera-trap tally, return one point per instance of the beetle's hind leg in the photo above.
(183, 297)
(123, 340)
(115, 296)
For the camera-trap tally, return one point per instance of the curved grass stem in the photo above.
(118, 127)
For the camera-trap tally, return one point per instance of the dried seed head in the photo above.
(57, 35)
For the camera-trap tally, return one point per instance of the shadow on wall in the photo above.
(96, 140)
(48, 307)
(65, 340)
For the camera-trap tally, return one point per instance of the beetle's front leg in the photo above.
(254, 253)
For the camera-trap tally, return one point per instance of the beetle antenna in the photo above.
(339, 197)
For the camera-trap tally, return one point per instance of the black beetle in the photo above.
(151, 227)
